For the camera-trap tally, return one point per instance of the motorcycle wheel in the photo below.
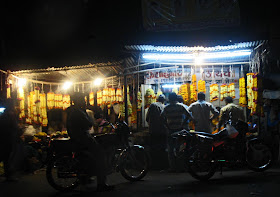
(201, 169)
(258, 157)
(134, 163)
(62, 173)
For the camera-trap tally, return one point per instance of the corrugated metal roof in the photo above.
(178, 49)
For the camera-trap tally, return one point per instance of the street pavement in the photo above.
(232, 183)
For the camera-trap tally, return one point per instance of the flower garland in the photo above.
(66, 101)
(58, 101)
(201, 86)
(99, 97)
(29, 101)
(242, 92)
(250, 89)
(50, 100)
(91, 98)
(224, 92)
(43, 107)
(119, 97)
(139, 100)
(149, 97)
(105, 97)
(184, 91)
(214, 92)
(257, 105)
(193, 89)
(8, 91)
(231, 90)
(112, 95)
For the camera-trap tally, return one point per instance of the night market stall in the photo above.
(219, 71)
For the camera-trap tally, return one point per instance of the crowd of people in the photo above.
(164, 120)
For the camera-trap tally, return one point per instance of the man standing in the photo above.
(201, 113)
(155, 127)
(236, 113)
(173, 117)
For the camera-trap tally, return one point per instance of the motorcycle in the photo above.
(204, 153)
(66, 168)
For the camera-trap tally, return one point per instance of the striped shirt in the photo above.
(174, 115)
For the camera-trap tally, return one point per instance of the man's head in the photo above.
(172, 97)
(161, 98)
(79, 99)
(201, 96)
(180, 99)
(228, 100)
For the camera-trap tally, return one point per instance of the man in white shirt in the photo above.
(201, 113)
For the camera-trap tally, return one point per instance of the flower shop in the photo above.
(219, 71)
(43, 95)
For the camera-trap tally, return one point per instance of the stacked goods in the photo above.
(214, 92)
(231, 90)
(66, 101)
(201, 86)
(43, 108)
(185, 92)
(8, 91)
(224, 92)
(28, 118)
(250, 89)
(193, 89)
(99, 97)
(91, 98)
(50, 100)
(58, 101)
(149, 97)
(21, 102)
(139, 101)
(242, 92)
(119, 97)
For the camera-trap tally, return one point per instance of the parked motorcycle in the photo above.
(204, 153)
(66, 167)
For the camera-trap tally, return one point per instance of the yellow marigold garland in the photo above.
(214, 92)
(242, 92)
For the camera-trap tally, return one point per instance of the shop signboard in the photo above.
(185, 15)
(221, 74)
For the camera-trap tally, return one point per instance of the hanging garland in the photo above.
(214, 92)
(242, 92)
(149, 97)
(139, 100)
(66, 101)
(201, 86)
(119, 97)
(231, 90)
(250, 89)
(224, 91)
(50, 100)
(43, 107)
(99, 97)
(8, 91)
(20, 97)
(184, 91)
(91, 98)
(193, 89)
(58, 101)
(29, 104)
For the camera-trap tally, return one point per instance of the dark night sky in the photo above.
(43, 33)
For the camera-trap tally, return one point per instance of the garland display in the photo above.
(231, 90)
(214, 92)
(242, 92)
(149, 97)
(224, 92)
(91, 98)
(8, 91)
(257, 105)
(58, 101)
(43, 109)
(193, 89)
(99, 98)
(66, 101)
(112, 95)
(201, 86)
(50, 100)
(139, 101)
(184, 91)
(119, 97)
(250, 89)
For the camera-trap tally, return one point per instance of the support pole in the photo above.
(125, 97)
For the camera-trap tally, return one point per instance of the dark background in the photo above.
(45, 33)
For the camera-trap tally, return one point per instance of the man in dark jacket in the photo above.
(78, 125)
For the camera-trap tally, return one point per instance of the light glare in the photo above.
(97, 81)
(21, 82)
(171, 86)
(67, 85)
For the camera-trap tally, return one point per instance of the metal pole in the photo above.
(125, 97)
